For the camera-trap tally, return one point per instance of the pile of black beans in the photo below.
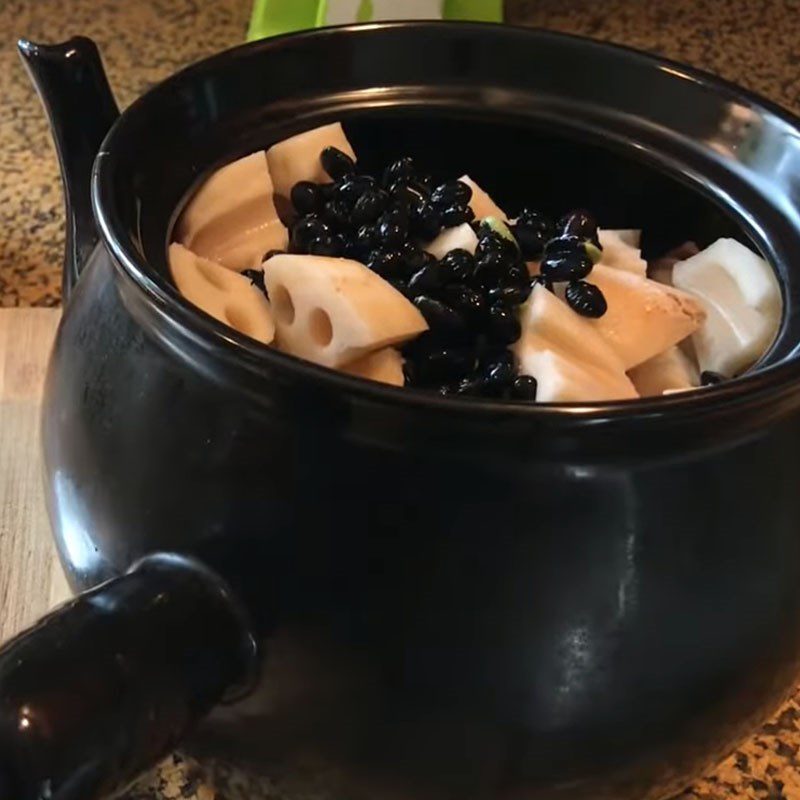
(470, 302)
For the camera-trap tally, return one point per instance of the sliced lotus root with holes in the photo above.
(384, 366)
(232, 218)
(221, 293)
(481, 202)
(644, 318)
(333, 310)
(297, 158)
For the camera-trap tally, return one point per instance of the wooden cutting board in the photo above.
(31, 580)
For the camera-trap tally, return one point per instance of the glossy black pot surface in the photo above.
(454, 598)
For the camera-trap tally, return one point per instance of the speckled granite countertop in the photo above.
(753, 42)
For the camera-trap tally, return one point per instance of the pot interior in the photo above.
(644, 147)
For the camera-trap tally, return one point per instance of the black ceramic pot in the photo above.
(452, 598)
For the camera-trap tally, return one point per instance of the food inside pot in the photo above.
(396, 278)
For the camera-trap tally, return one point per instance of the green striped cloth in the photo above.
(272, 17)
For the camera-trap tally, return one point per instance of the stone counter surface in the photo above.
(753, 42)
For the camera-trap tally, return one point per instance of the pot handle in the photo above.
(80, 107)
(107, 685)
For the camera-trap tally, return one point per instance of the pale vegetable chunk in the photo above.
(223, 294)
(297, 158)
(670, 371)
(384, 366)
(232, 218)
(462, 236)
(551, 319)
(630, 236)
(619, 252)
(742, 299)
(561, 379)
(644, 318)
(481, 202)
(332, 311)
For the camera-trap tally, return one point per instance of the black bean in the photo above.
(452, 216)
(386, 263)
(408, 194)
(369, 207)
(524, 388)
(469, 303)
(586, 299)
(489, 241)
(391, 233)
(327, 190)
(337, 213)
(517, 274)
(499, 374)
(426, 280)
(532, 218)
(352, 187)
(579, 223)
(367, 238)
(336, 163)
(531, 241)
(490, 268)
(415, 257)
(440, 317)
(571, 265)
(426, 222)
(457, 265)
(308, 228)
(326, 245)
(451, 193)
(443, 363)
(306, 197)
(469, 386)
(502, 325)
(403, 168)
(711, 378)
(510, 295)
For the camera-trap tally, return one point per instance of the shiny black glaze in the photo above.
(458, 598)
(73, 86)
(100, 690)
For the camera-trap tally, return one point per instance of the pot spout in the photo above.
(80, 106)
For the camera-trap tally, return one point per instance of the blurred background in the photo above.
(753, 42)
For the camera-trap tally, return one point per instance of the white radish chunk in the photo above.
(669, 371)
(732, 337)
(232, 218)
(297, 158)
(332, 311)
(551, 319)
(561, 379)
(743, 302)
(618, 251)
(223, 294)
(462, 236)
(644, 318)
(384, 366)
(481, 202)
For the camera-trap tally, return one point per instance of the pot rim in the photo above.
(769, 383)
